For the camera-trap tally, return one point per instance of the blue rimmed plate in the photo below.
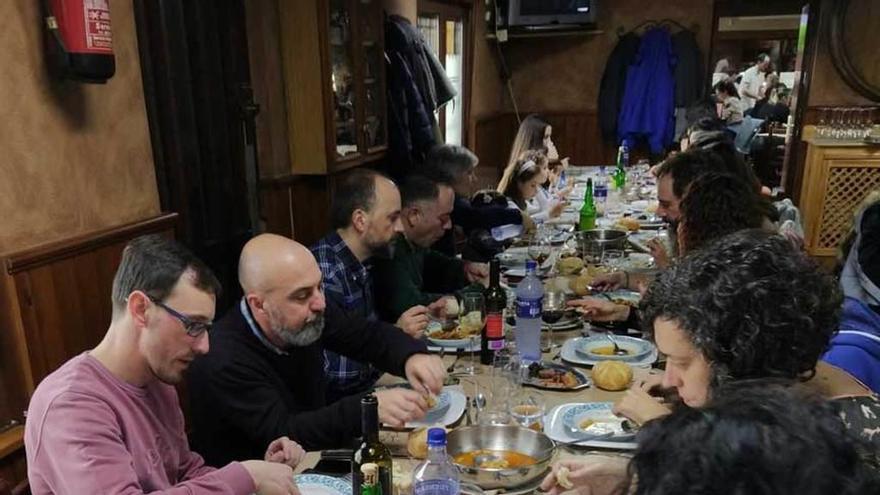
(319, 484)
(592, 419)
(600, 348)
(436, 413)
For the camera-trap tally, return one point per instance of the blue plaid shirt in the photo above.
(348, 283)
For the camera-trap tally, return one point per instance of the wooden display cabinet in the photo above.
(334, 79)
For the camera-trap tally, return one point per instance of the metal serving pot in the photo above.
(594, 242)
(501, 437)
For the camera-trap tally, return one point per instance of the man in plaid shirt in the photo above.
(366, 218)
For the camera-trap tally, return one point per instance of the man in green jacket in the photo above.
(415, 274)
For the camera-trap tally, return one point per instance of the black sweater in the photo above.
(243, 395)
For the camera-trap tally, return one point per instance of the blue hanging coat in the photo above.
(648, 108)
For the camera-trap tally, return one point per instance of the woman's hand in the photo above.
(637, 405)
(595, 475)
(556, 209)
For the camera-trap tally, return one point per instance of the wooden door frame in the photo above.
(450, 10)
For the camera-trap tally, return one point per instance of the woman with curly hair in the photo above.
(717, 204)
(750, 439)
(748, 306)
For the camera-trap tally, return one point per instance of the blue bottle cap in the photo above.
(436, 437)
(531, 265)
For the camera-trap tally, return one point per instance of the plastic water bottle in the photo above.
(436, 475)
(600, 191)
(529, 299)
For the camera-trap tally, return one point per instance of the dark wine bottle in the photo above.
(371, 451)
(496, 301)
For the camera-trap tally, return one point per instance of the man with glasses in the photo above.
(108, 420)
(417, 274)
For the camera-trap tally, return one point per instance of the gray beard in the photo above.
(308, 335)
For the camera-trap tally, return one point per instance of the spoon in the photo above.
(617, 350)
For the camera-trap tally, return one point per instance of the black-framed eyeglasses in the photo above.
(193, 328)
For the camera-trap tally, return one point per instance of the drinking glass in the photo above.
(540, 247)
(473, 311)
(837, 123)
(822, 129)
(612, 258)
(527, 409)
(551, 312)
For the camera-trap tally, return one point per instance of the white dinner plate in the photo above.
(558, 432)
(457, 403)
(569, 354)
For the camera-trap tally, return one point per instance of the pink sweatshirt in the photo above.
(89, 432)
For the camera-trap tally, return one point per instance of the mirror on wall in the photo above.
(756, 57)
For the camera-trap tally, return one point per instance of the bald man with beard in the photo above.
(265, 373)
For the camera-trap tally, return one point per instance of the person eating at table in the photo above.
(108, 420)
(534, 134)
(456, 166)
(716, 204)
(366, 216)
(415, 274)
(757, 437)
(747, 306)
(525, 185)
(265, 375)
(674, 177)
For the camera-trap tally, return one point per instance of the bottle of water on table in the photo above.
(436, 475)
(529, 299)
(600, 191)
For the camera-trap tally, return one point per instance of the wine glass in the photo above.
(539, 248)
(551, 312)
(613, 258)
(473, 318)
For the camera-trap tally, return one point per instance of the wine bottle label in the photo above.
(529, 308)
(494, 326)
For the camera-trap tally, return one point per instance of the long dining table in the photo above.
(641, 194)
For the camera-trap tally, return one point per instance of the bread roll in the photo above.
(569, 266)
(612, 375)
(417, 442)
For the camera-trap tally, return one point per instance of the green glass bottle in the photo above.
(588, 211)
(371, 451)
(620, 172)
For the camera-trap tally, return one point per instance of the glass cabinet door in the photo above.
(343, 78)
(374, 127)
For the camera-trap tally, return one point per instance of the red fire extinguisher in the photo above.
(80, 39)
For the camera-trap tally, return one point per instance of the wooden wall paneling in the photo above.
(311, 207)
(275, 201)
(61, 293)
(303, 76)
(16, 379)
(493, 137)
(264, 44)
(576, 135)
